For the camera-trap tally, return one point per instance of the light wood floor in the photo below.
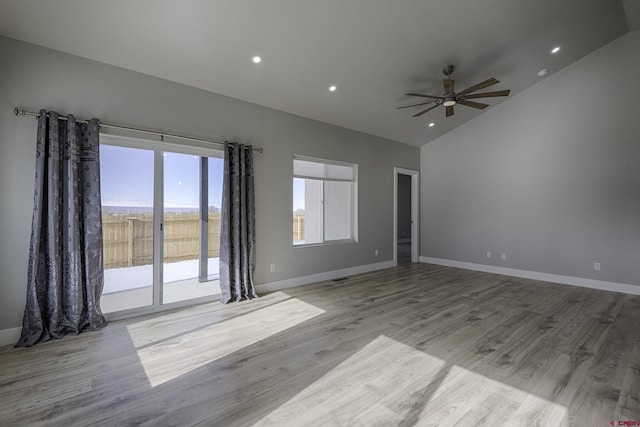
(413, 345)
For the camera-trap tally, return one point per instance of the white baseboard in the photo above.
(321, 277)
(9, 336)
(545, 277)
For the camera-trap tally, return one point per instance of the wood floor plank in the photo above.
(414, 345)
(601, 392)
(628, 406)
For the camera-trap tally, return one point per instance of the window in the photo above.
(324, 201)
(161, 222)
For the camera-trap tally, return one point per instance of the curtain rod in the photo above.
(18, 112)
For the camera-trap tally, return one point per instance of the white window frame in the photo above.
(354, 199)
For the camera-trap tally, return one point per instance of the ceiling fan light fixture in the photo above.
(449, 102)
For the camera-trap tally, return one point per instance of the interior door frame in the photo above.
(415, 217)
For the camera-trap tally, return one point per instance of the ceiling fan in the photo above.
(451, 98)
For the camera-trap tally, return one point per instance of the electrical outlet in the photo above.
(596, 266)
(272, 268)
(504, 256)
(376, 252)
(488, 254)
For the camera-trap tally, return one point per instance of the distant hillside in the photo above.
(130, 210)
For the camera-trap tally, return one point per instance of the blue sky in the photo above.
(298, 194)
(127, 178)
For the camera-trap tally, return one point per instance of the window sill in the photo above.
(330, 243)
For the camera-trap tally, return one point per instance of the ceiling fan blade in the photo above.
(477, 105)
(449, 111)
(415, 105)
(448, 86)
(482, 85)
(424, 96)
(427, 110)
(488, 94)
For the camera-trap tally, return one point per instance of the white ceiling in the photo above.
(374, 51)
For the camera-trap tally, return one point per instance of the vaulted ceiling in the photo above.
(373, 51)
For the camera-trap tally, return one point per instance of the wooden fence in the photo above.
(128, 239)
(298, 227)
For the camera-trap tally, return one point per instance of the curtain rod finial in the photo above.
(16, 111)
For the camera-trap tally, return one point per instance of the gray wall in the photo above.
(32, 77)
(551, 176)
(404, 206)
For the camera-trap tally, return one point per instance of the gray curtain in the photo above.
(237, 234)
(65, 276)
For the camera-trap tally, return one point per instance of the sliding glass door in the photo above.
(127, 181)
(191, 231)
(161, 223)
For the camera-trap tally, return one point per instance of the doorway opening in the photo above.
(406, 224)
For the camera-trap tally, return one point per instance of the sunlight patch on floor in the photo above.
(390, 383)
(151, 330)
(370, 385)
(465, 397)
(168, 358)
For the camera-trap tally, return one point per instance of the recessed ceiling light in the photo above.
(431, 124)
(332, 88)
(256, 59)
(555, 49)
(543, 72)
